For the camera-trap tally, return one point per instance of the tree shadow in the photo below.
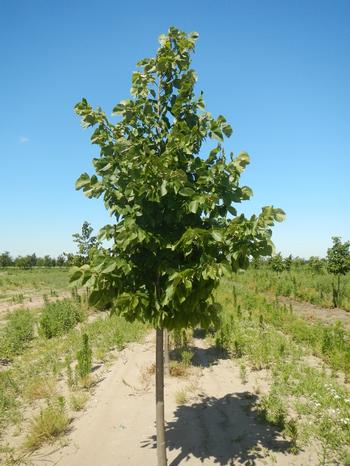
(224, 430)
(202, 357)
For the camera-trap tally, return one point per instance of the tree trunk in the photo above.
(166, 353)
(338, 292)
(161, 448)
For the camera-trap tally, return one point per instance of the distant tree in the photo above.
(6, 259)
(277, 263)
(316, 264)
(61, 260)
(288, 261)
(86, 242)
(23, 262)
(176, 230)
(338, 264)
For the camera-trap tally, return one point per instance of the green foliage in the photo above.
(86, 244)
(338, 263)
(338, 257)
(59, 317)
(84, 358)
(17, 333)
(277, 263)
(177, 230)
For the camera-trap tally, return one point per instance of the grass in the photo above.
(46, 359)
(78, 400)
(300, 284)
(181, 397)
(309, 404)
(51, 423)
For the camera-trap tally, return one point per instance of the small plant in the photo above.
(181, 397)
(84, 358)
(186, 357)
(177, 369)
(59, 317)
(243, 373)
(78, 401)
(48, 425)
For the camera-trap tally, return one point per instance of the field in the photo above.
(269, 384)
(30, 287)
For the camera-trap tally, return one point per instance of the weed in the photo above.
(186, 357)
(59, 317)
(78, 400)
(51, 423)
(84, 358)
(181, 397)
(17, 333)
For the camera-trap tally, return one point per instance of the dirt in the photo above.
(216, 426)
(31, 302)
(312, 312)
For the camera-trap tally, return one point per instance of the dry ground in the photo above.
(215, 426)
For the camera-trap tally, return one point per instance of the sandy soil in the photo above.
(31, 302)
(312, 312)
(217, 425)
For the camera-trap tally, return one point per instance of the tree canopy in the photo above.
(172, 193)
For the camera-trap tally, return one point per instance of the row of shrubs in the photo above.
(21, 327)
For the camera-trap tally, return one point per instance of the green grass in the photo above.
(16, 284)
(47, 359)
(308, 403)
(300, 284)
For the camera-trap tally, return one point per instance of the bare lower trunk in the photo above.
(166, 353)
(161, 448)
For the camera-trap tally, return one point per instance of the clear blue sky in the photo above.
(278, 70)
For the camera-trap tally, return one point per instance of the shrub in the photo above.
(17, 333)
(59, 317)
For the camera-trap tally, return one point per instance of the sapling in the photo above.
(175, 230)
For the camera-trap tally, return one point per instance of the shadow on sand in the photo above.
(224, 430)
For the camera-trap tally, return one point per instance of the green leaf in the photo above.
(83, 180)
(193, 206)
(186, 192)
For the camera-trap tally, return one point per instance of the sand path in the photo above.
(216, 425)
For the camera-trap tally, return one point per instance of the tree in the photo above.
(338, 263)
(86, 243)
(316, 264)
(6, 259)
(277, 263)
(176, 230)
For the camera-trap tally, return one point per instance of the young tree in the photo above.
(277, 263)
(86, 243)
(338, 263)
(6, 259)
(175, 230)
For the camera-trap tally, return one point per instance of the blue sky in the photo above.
(278, 70)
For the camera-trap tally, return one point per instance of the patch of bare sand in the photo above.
(217, 425)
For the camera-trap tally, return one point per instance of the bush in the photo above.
(17, 333)
(59, 317)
